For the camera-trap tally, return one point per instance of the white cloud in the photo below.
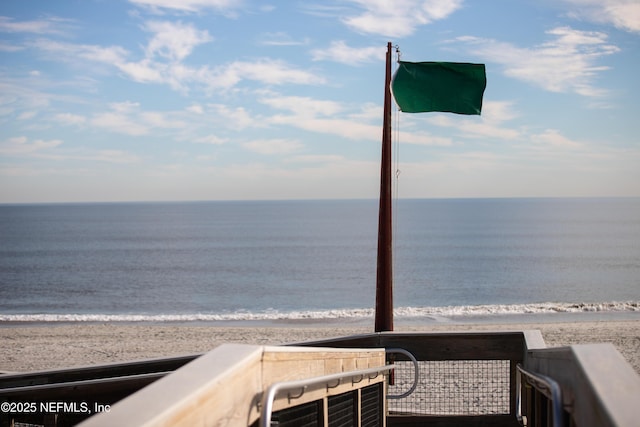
(344, 127)
(338, 51)
(143, 71)
(303, 105)
(489, 125)
(499, 111)
(27, 115)
(623, 14)
(196, 109)
(70, 119)
(474, 127)
(281, 39)
(188, 5)
(329, 117)
(6, 47)
(22, 146)
(51, 25)
(317, 158)
(269, 71)
(113, 156)
(121, 119)
(128, 118)
(233, 118)
(211, 139)
(125, 106)
(424, 138)
(318, 116)
(161, 120)
(399, 18)
(192, 124)
(174, 41)
(119, 123)
(567, 63)
(146, 70)
(368, 112)
(272, 146)
(22, 98)
(224, 77)
(553, 138)
(163, 62)
(74, 52)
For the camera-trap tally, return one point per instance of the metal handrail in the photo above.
(416, 370)
(301, 386)
(545, 385)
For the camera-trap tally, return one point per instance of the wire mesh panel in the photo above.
(453, 387)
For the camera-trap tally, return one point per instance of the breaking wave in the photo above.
(336, 314)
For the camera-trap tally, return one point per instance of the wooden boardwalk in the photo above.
(464, 379)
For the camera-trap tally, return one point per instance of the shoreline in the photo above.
(293, 322)
(28, 347)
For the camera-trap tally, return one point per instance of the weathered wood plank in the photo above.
(466, 421)
(459, 346)
(440, 345)
(599, 387)
(533, 339)
(81, 373)
(215, 389)
(289, 363)
(103, 390)
(614, 382)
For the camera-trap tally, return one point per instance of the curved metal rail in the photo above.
(300, 386)
(416, 370)
(545, 385)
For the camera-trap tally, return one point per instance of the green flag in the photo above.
(452, 87)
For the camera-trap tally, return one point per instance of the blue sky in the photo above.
(224, 99)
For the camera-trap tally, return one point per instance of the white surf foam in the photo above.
(434, 313)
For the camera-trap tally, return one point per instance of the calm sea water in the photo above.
(316, 259)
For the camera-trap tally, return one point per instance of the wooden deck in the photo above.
(464, 379)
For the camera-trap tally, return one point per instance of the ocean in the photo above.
(315, 261)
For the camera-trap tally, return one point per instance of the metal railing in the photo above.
(416, 372)
(462, 374)
(545, 386)
(300, 386)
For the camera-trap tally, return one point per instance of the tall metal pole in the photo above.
(384, 276)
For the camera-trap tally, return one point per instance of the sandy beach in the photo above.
(36, 347)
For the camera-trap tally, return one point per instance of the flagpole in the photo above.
(384, 275)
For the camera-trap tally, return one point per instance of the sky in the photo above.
(167, 100)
